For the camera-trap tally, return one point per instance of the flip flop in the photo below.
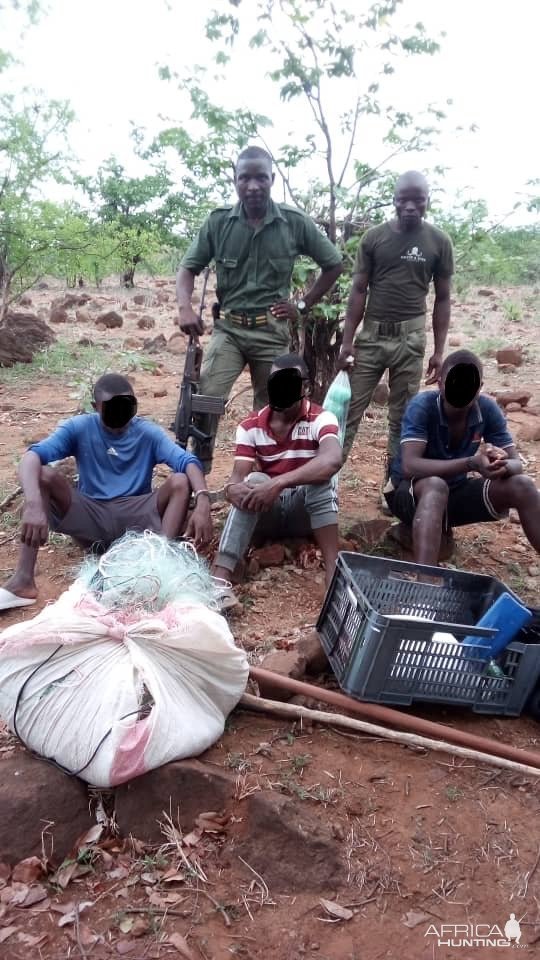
(9, 600)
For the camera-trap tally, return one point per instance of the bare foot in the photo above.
(21, 588)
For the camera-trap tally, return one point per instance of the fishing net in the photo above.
(147, 571)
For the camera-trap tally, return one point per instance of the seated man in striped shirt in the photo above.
(282, 480)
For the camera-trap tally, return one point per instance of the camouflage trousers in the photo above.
(398, 348)
(231, 348)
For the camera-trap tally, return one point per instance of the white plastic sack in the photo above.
(84, 708)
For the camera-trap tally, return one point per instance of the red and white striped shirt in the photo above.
(255, 440)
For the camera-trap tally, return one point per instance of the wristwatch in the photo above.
(302, 307)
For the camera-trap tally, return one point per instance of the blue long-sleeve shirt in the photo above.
(110, 464)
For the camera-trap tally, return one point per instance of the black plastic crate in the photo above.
(380, 651)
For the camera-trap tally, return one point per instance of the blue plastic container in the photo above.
(507, 616)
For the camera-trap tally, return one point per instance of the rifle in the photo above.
(190, 402)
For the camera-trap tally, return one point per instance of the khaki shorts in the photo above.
(102, 521)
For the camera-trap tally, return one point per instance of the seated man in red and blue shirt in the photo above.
(445, 435)
(282, 480)
(116, 452)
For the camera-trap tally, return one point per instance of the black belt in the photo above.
(247, 319)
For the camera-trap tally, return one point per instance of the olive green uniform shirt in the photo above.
(254, 266)
(400, 266)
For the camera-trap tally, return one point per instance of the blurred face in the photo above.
(253, 180)
(411, 201)
(116, 411)
(460, 386)
(285, 389)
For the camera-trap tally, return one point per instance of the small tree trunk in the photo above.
(4, 301)
(128, 278)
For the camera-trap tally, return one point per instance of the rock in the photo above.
(486, 293)
(110, 319)
(42, 285)
(533, 571)
(381, 394)
(155, 345)
(519, 397)
(186, 787)
(139, 298)
(132, 343)
(69, 300)
(146, 322)
(271, 555)
(22, 335)
(529, 431)
(252, 567)
(58, 315)
(369, 532)
(33, 794)
(163, 298)
(160, 393)
(503, 367)
(513, 355)
(292, 850)
(310, 647)
(25, 300)
(513, 407)
(288, 663)
(455, 342)
(177, 343)
(85, 342)
(83, 316)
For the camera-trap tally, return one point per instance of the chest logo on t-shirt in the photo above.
(112, 452)
(302, 430)
(414, 255)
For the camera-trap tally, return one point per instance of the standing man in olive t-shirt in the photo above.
(394, 266)
(254, 244)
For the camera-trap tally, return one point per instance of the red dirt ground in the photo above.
(426, 840)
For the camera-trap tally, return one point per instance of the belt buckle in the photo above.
(387, 330)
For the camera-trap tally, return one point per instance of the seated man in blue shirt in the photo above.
(445, 435)
(116, 452)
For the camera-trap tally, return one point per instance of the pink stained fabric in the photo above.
(129, 756)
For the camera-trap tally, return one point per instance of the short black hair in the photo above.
(254, 153)
(290, 360)
(461, 356)
(112, 383)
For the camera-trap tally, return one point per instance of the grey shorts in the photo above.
(102, 521)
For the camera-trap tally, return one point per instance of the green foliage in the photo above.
(138, 215)
(33, 153)
(315, 53)
(205, 163)
(491, 253)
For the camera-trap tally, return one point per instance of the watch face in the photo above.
(301, 304)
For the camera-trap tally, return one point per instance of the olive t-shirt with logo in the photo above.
(400, 266)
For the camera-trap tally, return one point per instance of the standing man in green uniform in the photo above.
(394, 266)
(254, 245)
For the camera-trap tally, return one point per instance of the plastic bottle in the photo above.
(507, 615)
(337, 399)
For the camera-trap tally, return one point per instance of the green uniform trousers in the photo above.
(231, 347)
(398, 348)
